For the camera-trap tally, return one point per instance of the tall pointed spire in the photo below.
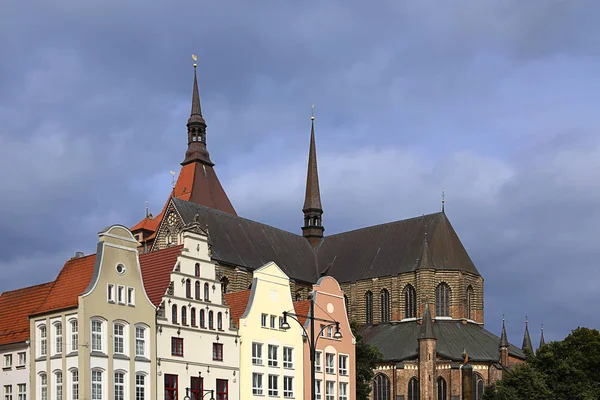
(503, 338)
(196, 128)
(426, 331)
(526, 338)
(313, 211)
(542, 340)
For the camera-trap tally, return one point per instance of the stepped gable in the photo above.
(393, 248)
(15, 307)
(398, 341)
(241, 242)
(156, 271)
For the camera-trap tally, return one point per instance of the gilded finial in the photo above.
(312, 115)
(172, 179)
(195, 58)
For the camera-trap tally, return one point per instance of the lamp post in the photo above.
(204, 393)
(312, 340)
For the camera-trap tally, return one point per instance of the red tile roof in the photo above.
(156, 271)
(237, 303)
(302, 308)
(15, 306)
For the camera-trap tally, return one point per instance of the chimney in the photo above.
(78, 254)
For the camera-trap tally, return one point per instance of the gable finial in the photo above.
(172, 179)
(195, 58)
(443, 199)
(146, 208)
(312, 113)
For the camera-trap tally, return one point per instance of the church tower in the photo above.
(313, 211)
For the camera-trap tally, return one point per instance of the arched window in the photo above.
(43, 339)
(188, 288)
(220, 321)
(369, 307)
(202, 319)
(211, 322)
(59, 385)
(58, 331)
(183, 315)
(381, 387)
(174, 313)
(197, 290)
(206, 297)
(74, 383)
(410, 302)
(224, 284)
(479, 385)
(298, 296)
(197, 270)
(44, 385)
(385, 305)
(469, 302)
(442, 390)
(193, 316)
(442, 300)
(413, 389)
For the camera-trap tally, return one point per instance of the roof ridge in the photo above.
(27, 287)
(385, 223)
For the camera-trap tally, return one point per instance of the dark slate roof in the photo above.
(398, 341)
(393, 248)
(242, 242)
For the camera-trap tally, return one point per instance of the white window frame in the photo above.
(263, 320)
(119, 338)
(58, 387)
(58, 337)
(96, 383)
(8, 361)
(120, 385)
(257, 384)
(74, 384)
(343, 394)
(257, 358)
(272, 361)
(8, 392)
(343, 366)
(273, 321)
(74, 327)
(130, 296)
(43, 339)
(273, 385)
(121, 294)
(318, 365)
(110, 293)
(318, 389)
(288, 357)
(329, 367)
(21, 391)
(97, 337)
(22, 359)
(141, 386)
(328, 394)
(43, 386)
(140, 341)
(288, 387)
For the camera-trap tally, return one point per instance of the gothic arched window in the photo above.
(381, 387)
(183, 316)
(369, 307)
(413, 389)
(206, 297)
(224, 284)
(385, 305)
(410, 301)
(469, 302)
(442, 300)
(442, 389)
(211, 321)
(219, 321)
(174, 314)
(197, 270)
(193, 316)
(479, 385)
(202, 319)
(188, 288)
(197, 290)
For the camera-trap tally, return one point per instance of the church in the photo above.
(410, 283)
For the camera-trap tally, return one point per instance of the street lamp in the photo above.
(312, 344)
(204, 393)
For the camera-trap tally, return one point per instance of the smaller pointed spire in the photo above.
(526, 338)
(426, 331)
(503, 338)
(542, 340)
(425, 261)
(313, 210)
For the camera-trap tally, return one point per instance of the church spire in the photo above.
(542, 340)
(526, 338)
(426, 330)
(503, 338)
(196, 129)
(313, 211)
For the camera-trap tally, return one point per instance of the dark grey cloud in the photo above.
(494, 101)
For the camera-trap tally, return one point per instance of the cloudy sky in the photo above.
(494, 101)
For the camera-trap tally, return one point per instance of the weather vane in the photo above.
(443, 199)
(312, 114)
(195, 58)
(173, 179)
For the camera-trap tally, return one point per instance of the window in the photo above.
(121, 269)
(263, 320)
(59, 385)
(257, 354)
(202, 321)
(44, 386)
(96, 335)
(121, 295)
(343, 364)
(197, 270)
(183, 315)
(7, 392)
(469, 302)
(140, 387)
(218, 351)
(222, 386)
(318, 361)
(220, 321)
(442, 300)
(442, 390)
(140, 341)
(385, 305)
(174, 313)
(288, 386)
(330, 363)
(413, 390)
(369, 307)
(22, 359)
(118, 339)
(193, 316)
(330, 390)
(58, 337)
(170, 387)
(75, 384)
(96, 385)
(273, 321)
(74, 335)
(206, 297)
(381, 388)
(224, 284)
(343, 391)
(479, 386)
(317, 390)
(298, 296)
(211, 322)
(273, 385)
(288, 357)
(197, 290)
(257, 384)
(329, 331)
(110, 293)
(273, 355)
(188, 288)
(22, 391)
(7, 360)
(119, 386)
(177, 346)
(280, 322)
(43, 334)
(197, 388)
(131, 296)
